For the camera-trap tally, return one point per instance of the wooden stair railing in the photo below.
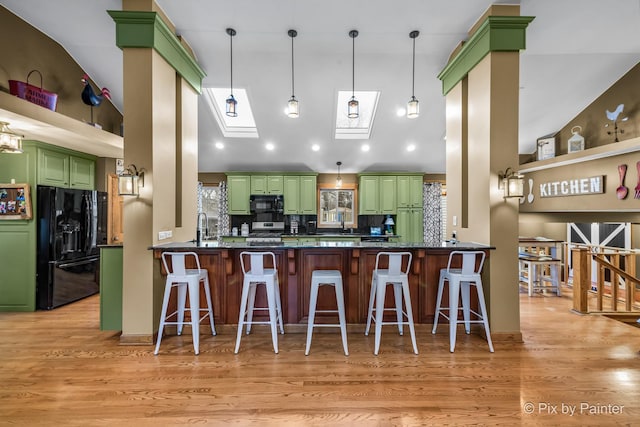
(608, 260)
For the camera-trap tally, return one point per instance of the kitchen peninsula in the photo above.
(296, 262)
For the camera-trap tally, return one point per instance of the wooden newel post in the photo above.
(581, 279)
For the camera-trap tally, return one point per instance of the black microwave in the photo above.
(266, 204)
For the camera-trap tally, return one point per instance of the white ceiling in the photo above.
(575, 50)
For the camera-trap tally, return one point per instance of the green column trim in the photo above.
(139, 29)
(496, 34)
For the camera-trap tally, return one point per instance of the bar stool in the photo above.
(258, 275)
(398, 277)
(186, 281)
(330, 278)
(460, 281)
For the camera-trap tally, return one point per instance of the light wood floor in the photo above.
(57, 368)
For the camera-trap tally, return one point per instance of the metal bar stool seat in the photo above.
(398, 276)
(330, 278)
(460, 281)
(258, 275)
(187, 281)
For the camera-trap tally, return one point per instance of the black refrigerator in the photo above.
(71, 225)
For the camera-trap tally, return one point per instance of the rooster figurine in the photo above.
(90, 98)
(88, 95)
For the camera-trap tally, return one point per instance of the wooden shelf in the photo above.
(601, 152)
(41, 124)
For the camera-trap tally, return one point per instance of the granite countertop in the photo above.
(213, 244)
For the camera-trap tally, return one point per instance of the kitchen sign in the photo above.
(573, 187)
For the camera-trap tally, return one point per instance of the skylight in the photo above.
(359, 128)
(242, 126)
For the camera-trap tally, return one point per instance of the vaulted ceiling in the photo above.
(575, 50)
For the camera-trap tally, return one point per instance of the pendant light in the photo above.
(10, 142)
(293, 109)
(353, 110)
(413, 107)
(339, 178)
(231, 101)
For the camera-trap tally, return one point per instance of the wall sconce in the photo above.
(130, 181)
(10, 142)
(512, 183)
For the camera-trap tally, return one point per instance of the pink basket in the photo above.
(33, 94)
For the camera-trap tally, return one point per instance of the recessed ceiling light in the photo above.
(219, 145)
(365, 147)
(411, 147)
(315, 147)
(400, 112)
(270, 146)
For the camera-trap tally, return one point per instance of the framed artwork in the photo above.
(546, 147)
(15, 201)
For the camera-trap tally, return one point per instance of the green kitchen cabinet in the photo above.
(409, 191)
(291, 195)
(60, 169)
(53, 168)
(308, 195)
(409, 225)
(82, 173)
(369, 195)
(267, 184)
(239, 191)
(377, 194)
(111, 288)
(275, 184)
(300, 195)
(387, 197)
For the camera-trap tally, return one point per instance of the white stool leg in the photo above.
(397, 295)
(163, 314)
(438, 302)
(454, 291)
(372, 296)
(194, 308)
(466, 305)
(409, 309)
(253, 287)
(341, 314)
(380, 292)
(532, 277)
(313, 299)
(243, 312)
(207, 294)
(181, 303)
(483, 310)
(555, 276)
(271, 302)
(279, 304)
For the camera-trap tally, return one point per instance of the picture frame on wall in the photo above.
(15, 202)
(546, 147)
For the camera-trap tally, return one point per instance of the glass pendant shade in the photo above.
(10, 142)
(231, 106)
(413, 108)
(293, 109)
(354, 108)
(339, 178)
